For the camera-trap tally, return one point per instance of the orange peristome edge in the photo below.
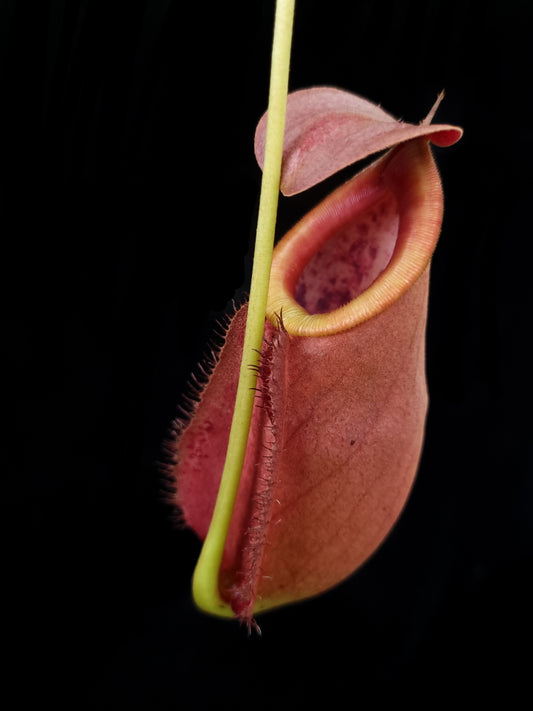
(338, 424)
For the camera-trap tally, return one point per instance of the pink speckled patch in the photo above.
(350, 260)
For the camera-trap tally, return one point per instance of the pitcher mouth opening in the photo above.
(350, 259)
(361, 248)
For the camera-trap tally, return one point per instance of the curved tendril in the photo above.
(205, 581)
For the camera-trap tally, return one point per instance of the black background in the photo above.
(129, 194)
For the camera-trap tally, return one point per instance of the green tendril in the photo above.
(206, 591)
